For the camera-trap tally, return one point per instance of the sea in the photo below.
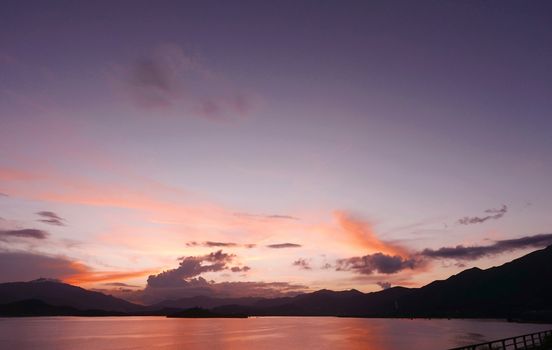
(264, 333)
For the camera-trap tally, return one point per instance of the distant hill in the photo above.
(204, 302)
(33, 307)
(520, 289)
(520, 286)
(61, 294)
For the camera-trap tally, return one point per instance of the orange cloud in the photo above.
(85, 275)
(361, 233)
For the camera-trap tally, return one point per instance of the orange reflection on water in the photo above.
(266, 333)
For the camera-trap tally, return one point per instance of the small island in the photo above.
(198, 312)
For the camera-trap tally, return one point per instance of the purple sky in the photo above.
(131, 129)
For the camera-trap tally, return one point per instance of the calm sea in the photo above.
(82, 333)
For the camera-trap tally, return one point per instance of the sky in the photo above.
(157, 149)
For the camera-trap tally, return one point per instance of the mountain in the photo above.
(60, 294)
(520, 289)
(34, 307)
(324, 303)
(520, 286)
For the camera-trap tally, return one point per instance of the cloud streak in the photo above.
(494, 214)
(461, 252)
(212, 244)
(49, 217)
(283, 245)
(23, 233)
(268, 216)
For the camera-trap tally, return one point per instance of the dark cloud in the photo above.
(191, 266)
(327, 266)
(219, 244)
(22, 266)
(384, 285)
(302, 263)
(249, 246)
(494, 214)
(23, 233)
(52, 218)
(377, 262)
(119, 284)
(283, 245)
(240, 269)
(200, 286)
(211, 244)
(184, 281)
(2, 194)
(461, 252)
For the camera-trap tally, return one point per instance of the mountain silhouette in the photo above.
(520, 289)
(60, 294)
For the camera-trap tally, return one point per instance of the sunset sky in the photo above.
(266, 148)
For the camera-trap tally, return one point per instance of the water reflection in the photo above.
(64, 333)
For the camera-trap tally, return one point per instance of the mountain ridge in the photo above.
(515, 289)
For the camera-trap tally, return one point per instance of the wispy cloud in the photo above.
(120, 284)
(49, 217)
(171, 78)
(268, 216)
(384, 285)
(361, 233)
(211, 244)
(494, 214)
(23, 233)
(461, 252)
(283, 245)
(302, 263)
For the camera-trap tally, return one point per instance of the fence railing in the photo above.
(527, 341)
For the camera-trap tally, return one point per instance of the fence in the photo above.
(527, 341)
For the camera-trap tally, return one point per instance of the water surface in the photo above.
(110, 333)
